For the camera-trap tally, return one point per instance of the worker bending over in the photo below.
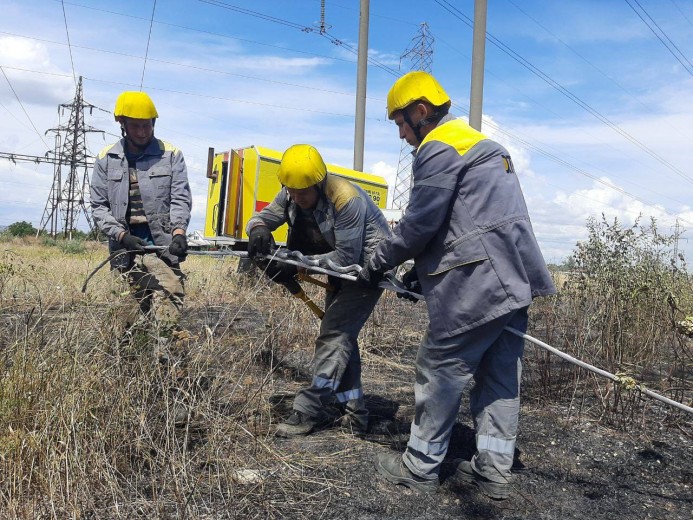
(479, 267)
(333, 220)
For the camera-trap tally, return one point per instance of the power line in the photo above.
(21, 105)
(333, 39)
(67, 32)
(177, 64)
(576, 169)
(146, 52)
(567, 93)
(688, 68)
(681, 11)
(588, 62)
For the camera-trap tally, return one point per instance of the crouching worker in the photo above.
(333, 220)
(140, 196)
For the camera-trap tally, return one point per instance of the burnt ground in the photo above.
(565, 468)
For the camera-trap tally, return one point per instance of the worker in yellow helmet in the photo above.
(140, 196)
(479, 267)
(336, 222)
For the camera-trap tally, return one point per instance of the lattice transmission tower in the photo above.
(70, 188)
(420, 56)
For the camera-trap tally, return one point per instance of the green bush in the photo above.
(21, 229)
(618, 308)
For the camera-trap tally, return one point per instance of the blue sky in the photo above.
(595, 110)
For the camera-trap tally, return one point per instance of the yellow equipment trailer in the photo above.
(242, 181)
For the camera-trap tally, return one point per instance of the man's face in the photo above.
(405, 131)
(139, 132)
(307, 198)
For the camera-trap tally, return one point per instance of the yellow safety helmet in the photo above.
(414, 86)
(137, 105)
(301, 167)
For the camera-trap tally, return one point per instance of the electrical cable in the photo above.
(21, 105)
(146, 52)
(567, 93)
(689, 67)
(67, 32)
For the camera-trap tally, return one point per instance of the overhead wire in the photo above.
(67, 33)
(374, 62)
(689, 67)
(22, 105)
(524, 142)
(333, 39)
(567, 93)
(577, 169)
(177, 64)
(579, 55)
(149, 38)
(681, 11)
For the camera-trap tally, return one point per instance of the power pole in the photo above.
(66, 200)
(420, 54)
(478, 60)
(361, 74)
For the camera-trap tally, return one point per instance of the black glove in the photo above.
(279, 272)
(410, 280)
(369, 278)
(260, 241)
(178, 246)
(132, 243)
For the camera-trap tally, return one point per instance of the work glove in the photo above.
(132, 244)
(280, 272)
(410, 280)
(178, 246)
(260, 241)
(369, 277)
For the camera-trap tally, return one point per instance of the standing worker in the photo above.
(140, 196)
(335, 221)
(479, 267)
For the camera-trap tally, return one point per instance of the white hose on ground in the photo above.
(628, 382)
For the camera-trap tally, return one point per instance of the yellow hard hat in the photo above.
(137, 105)
(414, 86)
(301, 167)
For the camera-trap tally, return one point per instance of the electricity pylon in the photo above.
(66, 200)
(420, 55)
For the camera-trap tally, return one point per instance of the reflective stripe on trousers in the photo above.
(337, 362)
(493, 357)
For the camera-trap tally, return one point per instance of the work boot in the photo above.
(299, 424)
(391, 466)
(465, 473)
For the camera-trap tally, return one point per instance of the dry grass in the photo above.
(86, 427)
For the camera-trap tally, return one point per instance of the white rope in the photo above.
(628, 382)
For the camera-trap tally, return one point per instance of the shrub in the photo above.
(21, 229)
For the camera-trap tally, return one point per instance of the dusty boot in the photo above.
(465, 473)
(391, 466)
(299, 424)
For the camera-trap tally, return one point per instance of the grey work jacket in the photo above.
(348, 219)
(163, 183)
(468, 231)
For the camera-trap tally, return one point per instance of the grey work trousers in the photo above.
(337, 362)
(493, 357)
(158, 289)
